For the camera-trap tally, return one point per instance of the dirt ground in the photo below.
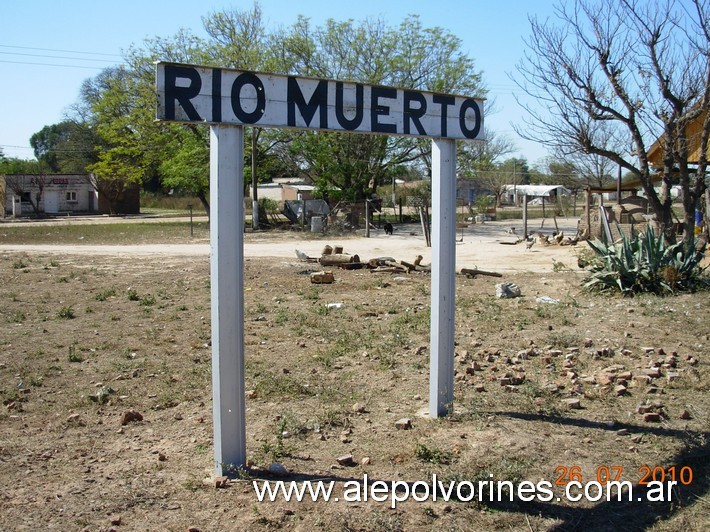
(89, 334)
(486, 246)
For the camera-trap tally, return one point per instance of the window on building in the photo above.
(71, 196)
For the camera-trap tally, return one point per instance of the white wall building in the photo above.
(50, 193)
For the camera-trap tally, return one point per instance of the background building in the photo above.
(49, 194)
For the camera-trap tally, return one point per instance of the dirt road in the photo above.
(486, 246)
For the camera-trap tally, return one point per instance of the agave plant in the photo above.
(645, 263)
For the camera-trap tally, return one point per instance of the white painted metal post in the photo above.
(443, 276)
(227, 288)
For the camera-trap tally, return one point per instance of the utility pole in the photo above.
(618, 188)
(394, 200)
(254, 184)
(515, 186)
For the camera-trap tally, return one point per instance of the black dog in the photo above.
(389, 228)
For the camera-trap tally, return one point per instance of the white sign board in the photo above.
(189, 93)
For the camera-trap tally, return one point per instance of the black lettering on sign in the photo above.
(247, 78)
(181, 95)
(216, 95)
(188, 93)
(377, 109)
(444, 101)
(465, 106)
(412, 115)
(349, 124)
(319, 100)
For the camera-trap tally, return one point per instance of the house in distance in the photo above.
(59, 194)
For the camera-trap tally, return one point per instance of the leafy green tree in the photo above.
(113, 98)
(45, 143)
(186, 163)
(173, 153)
(238, 38)
(13, 165)
(370, 51)
(182, 162)
(131, 147)
(67, 147)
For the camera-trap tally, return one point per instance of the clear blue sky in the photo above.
(48, 48)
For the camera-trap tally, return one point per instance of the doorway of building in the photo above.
(51, 201)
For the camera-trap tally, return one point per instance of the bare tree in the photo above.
(30, 188)
(613, 76)
(592, 170)
(480, 162)
(483, 154)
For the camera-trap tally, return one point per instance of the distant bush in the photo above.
(169, 202)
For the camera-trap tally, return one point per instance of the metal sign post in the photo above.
(227, 291)
(443, 277)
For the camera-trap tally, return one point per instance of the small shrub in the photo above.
(432, 454)
(133, 295)
(313, 294)
(147, 301)
(562, 340)
(541, 311)
(281, 317)
(105, 294)
(66, 313)
(74, 356)
(17, 317)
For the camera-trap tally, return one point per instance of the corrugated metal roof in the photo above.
(537, 190)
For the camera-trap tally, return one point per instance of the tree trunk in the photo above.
(690, 201)
(662, 207)
(205, 204)
(35, 203)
